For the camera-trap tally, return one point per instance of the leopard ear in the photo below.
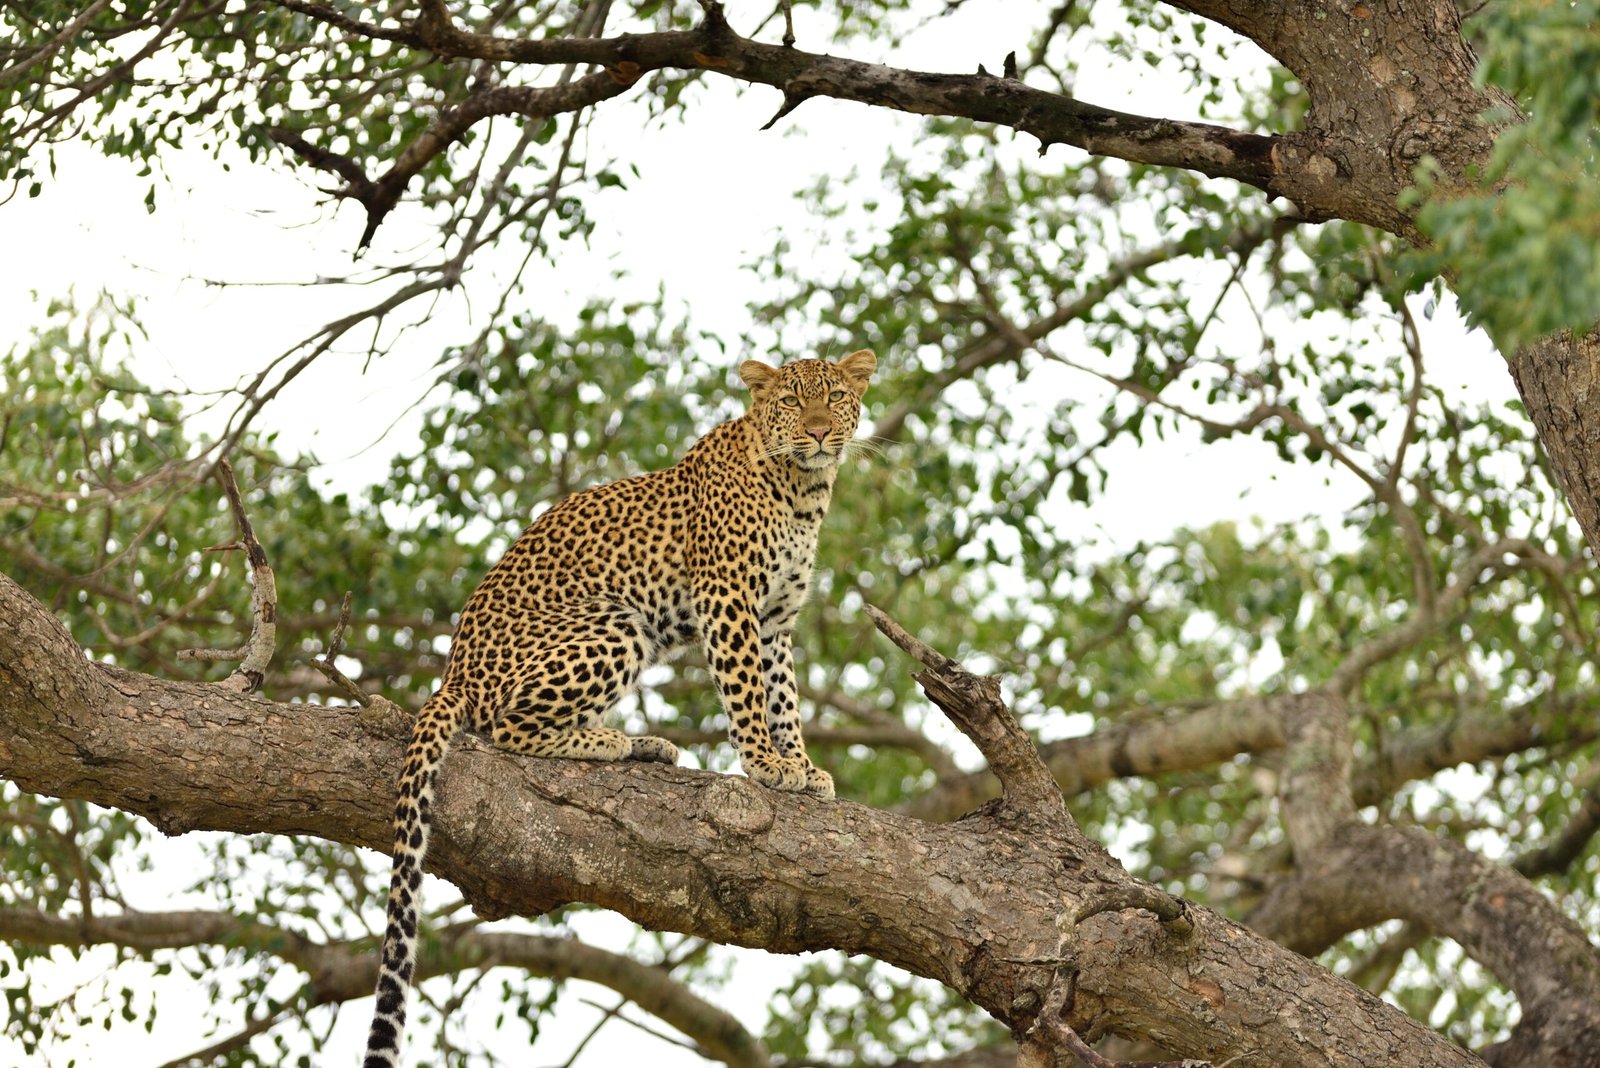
(858, 368)
(759, 377)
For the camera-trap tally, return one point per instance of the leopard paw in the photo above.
(779, 773)
(818, 782)
(656, 750)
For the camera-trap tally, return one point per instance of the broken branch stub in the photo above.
(974, 704)
(256, 653)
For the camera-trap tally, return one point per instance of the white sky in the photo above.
(89, 232)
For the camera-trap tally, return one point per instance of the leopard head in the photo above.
(807, 410)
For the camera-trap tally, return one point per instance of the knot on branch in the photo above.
(383, 718)
(738, 807)
(974, 704)
(378, 197)
(1173, 912)
(715, 24)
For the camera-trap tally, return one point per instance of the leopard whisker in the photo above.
(862, 447)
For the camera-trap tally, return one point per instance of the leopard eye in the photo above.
(836, 396)
(791, 400)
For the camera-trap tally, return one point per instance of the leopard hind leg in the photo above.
(567, 683)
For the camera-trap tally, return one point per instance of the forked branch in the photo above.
(713, 46)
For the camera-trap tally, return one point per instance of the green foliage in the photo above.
(1538, 217)
(983, 498)
(858, 1011)
(60, 858)
(112, 514)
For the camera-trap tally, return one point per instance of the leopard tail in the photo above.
(435, 726)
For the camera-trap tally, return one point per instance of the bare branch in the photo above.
(242, 1037)
(325, 663)
(256, 653)
(715, 48)
(975, 706)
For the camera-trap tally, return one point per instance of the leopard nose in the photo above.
(819, 434)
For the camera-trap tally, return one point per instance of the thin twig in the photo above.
(325, 663)
(212, 1052)
(617, 1014)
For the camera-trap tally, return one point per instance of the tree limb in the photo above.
(715, 48)
(1498, 918)
(971, 904)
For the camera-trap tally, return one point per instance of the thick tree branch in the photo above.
(1380, 873)
(1314, 797)
(1558, 378)
(714, 47)
(1363, 876)
(1214, 734)
(972, 904)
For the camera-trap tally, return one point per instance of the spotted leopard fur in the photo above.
(716, 550)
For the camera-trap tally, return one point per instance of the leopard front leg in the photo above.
(783, 707)
(733, 649)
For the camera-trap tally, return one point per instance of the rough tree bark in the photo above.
(1012, 905)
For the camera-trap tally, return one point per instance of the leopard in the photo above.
(717, 550)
